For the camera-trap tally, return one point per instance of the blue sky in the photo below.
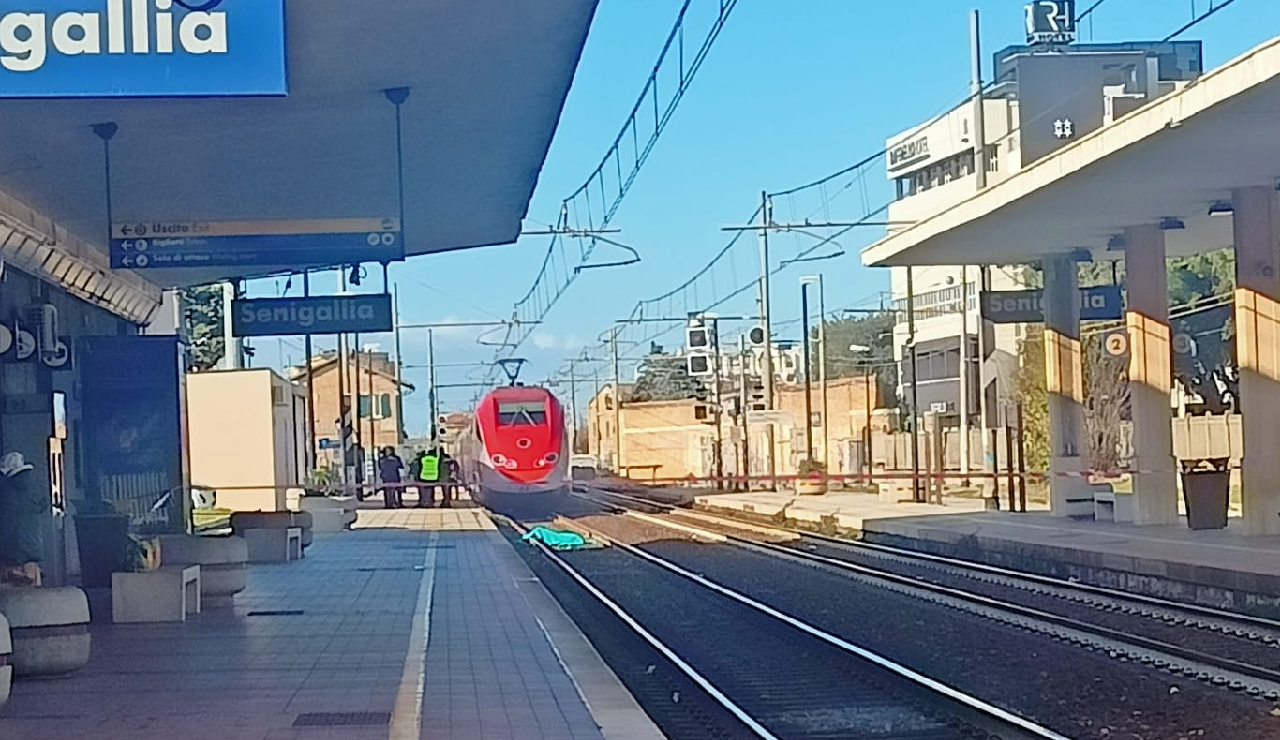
(793, 90)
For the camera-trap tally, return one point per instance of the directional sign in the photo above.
(1101, 303)
(276, 317)
(141, 245)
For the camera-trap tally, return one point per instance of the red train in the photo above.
(516, 446)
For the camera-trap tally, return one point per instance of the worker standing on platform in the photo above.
(390, 466)
(429, 476)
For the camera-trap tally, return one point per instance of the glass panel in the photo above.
(522, 413)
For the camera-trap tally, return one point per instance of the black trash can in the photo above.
(101, 540)
(1206, 488)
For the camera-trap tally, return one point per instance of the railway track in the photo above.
(776, 675)
(1234, 652)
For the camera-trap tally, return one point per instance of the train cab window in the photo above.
(526, 413)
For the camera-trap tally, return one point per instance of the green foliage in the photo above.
(1035, 398)
(202, 313)
(809, 467)
(662, 377)
(1106, 389)
(874, 331)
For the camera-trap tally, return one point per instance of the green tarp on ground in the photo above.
(557, 539)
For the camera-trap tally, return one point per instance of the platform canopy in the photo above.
(488, 82)
(1172, 159)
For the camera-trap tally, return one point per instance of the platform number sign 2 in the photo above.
(1051, 22)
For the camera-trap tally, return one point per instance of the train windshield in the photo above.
(522, 413)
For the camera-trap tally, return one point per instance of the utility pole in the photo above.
(917, 494)
(344, 403)
(309, 350)
(718, 458)
(822, 373)
(766, 215)
(744, 403)
(433, 398)
(617, 404)
(808, 370)
(964, 377)
(980, 166)
(573, 406)
(395, 315)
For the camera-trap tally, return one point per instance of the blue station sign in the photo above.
(1099, 303)
(142, 48)
(142, 245)
(283, 317)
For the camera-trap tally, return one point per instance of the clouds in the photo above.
(548, 342)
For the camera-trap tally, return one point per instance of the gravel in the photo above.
(1079, 693)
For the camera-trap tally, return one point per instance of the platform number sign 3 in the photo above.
(1051, 22)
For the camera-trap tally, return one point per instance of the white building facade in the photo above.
(1042, 100)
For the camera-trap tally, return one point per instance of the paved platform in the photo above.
(848, 511)
(417, 624)
(1222, 567)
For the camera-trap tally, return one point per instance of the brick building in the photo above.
(370, 377)
(662, 439)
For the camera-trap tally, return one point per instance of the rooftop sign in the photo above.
(1051, 22)
(276, 317)
(141, 48)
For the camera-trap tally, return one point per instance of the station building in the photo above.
(1041, 100)
(431, 119)
(1187, 164)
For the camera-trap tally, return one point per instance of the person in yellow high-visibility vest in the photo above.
(428, 465)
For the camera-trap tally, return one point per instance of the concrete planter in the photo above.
(303, 520)
(223, 561)
(329, 514)
(6, 661)
(49, 628)
(811, 486)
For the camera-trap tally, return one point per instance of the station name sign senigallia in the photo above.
(129, 48)
(1100, 303)
(275, 317)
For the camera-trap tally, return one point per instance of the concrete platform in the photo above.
(1221, 568)
(417, 624)
(844, 511)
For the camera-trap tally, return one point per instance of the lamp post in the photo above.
(808, 366)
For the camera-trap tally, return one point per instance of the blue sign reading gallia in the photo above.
(142, 48)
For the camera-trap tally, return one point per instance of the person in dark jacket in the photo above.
(390, 467)
(22, 508)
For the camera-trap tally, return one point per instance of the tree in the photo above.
(874, 331)
(202, 314)
(1034, 397)
(662, 377)
(1198, 288)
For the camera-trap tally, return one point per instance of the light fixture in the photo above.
(1116, 242)
(1221, 208)
(1172, 224)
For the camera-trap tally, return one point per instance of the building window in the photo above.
(375, 407)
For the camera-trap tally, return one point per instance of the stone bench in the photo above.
(164, 595)
(49, 628)
(6, 661)
(896, 491)
(329, 514)
(303, 521)
(1109, 506)
(223, 561)
(274, 545)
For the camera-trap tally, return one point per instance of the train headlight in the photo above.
(551, 458)
(498, 460)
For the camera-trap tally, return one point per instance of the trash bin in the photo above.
(1206, 488)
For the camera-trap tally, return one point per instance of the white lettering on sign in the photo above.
(27, 38)
(308, 316)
